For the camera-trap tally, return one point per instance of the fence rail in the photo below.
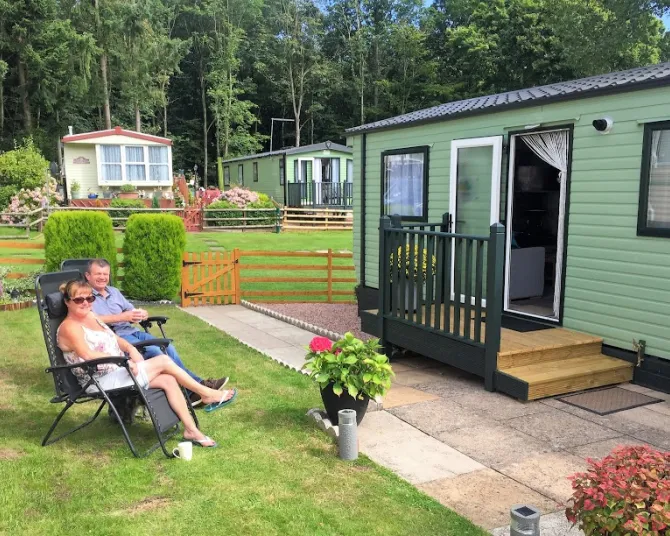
(325, 219)
(245, 219)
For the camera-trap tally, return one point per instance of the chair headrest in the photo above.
(56, 305)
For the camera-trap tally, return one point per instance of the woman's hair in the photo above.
(71, 287)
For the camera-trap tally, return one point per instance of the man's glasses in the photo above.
(80, 299)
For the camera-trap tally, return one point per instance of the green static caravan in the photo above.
(578, 173)
(319, 175)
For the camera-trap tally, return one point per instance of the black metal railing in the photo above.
(321, 194)
(444, 282)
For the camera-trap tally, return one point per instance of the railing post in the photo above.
(384, 224)
(494, 290)
(446, 223)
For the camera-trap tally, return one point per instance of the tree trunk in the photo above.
(23, 91)
(105, 91)
(165, 118)
(138, 117)
(203, 98)
(2, 106)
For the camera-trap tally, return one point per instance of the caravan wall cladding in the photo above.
(617, 283)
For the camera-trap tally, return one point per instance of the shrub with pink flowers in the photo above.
(231, 201)
(26, 201)
(626, 493)
(240, 197)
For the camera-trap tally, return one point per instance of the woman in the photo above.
(82, 336)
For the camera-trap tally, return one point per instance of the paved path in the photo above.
(476, 452)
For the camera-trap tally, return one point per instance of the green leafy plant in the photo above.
(224, 209)
(153, 249)
(124, 203)
(15, 290)
(626, 493)
(128, 188)
(349, 364)
(78, 235)
(24, 167)
(75, 187)
(411, 265)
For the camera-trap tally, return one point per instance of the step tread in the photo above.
(549, 371)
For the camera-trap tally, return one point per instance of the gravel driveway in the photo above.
(339, 318)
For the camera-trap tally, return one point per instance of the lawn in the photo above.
(273, 473)
(288, 241)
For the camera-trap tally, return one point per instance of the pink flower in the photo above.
(320, 344)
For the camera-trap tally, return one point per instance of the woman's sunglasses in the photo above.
(80, 299)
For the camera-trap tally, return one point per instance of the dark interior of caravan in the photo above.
(535, 211)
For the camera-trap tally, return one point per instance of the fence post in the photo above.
(384, 224)
(277, 220)
(330, 276)
(236, 276)
(494, 289)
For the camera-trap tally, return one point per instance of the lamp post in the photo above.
(272, 126)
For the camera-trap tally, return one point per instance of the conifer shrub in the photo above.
(78, 235)
(153, 248)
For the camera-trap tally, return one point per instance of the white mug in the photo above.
(184, 451)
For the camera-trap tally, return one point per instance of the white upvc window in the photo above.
(147, 165)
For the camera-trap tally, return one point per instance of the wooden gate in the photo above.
(193, 219)
(210, 278)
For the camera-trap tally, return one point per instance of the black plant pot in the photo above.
(334, 403)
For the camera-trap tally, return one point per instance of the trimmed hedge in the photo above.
(78, 235)
(124, 203)
(231, 210)
(153, 248)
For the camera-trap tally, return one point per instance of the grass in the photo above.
(293, 241)
(273, 473)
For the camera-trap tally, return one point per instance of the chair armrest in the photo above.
(116, 360)
(160, 320)
(161, 343)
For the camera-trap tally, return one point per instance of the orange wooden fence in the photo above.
(216, 278)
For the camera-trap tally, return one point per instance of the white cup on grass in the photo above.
(184, 451)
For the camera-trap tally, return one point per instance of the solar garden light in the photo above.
(348, 436)
(525, 520)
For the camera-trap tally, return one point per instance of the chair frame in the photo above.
(69, 391)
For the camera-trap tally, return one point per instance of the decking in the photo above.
(542, 363)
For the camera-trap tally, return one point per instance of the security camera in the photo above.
(603, 125)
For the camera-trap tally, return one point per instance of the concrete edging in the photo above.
(333, 336)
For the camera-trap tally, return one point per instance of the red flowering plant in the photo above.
(626, 493)
(349, 364)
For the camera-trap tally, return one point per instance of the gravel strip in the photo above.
(338, 318)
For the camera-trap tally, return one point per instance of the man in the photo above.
(115, 310)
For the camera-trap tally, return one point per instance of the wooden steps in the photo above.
(564, 367)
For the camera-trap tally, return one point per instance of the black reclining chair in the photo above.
(52, 312)
(82, 266)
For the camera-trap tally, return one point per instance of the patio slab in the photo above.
(561, 429)
(555, 524)
(494, 445)
(413, 455)
(418, 377)
(600, 449)
(547, 473)
(498, 406)
(400, 395)
(485, 496)
(439, 416)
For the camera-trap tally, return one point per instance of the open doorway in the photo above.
(535, 216)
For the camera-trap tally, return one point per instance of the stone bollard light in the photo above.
(525, 520)
(348, 434)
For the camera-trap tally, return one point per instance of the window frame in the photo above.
(147, 181)
(254, 171)
(425, 150)
(240, 174)
(348, 178)
(226, 175)
(643, 229)
(282, 171)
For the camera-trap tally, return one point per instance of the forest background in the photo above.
(210, 74)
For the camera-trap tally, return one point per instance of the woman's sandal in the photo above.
(199, 442)
(213, 407)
